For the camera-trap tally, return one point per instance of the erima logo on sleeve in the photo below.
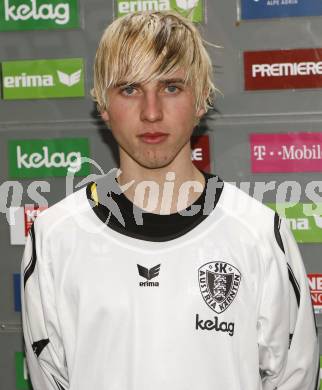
(149, 274)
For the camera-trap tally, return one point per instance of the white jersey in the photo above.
(225, 306)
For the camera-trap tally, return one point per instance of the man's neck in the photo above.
(165, 190)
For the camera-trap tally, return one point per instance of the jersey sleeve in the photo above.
(288, 340)
(43, 344)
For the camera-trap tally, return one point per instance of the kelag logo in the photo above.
(286, 152)
(51, 157)
(283, 69)
(22, 376)
(38, 14)
(315, 283)
(200, 152)
(192, 8)
(305, 228)
(41, 79)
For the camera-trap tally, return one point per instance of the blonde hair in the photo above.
(146, 46)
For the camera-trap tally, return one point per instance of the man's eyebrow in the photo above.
(173, 80)
(162, 81)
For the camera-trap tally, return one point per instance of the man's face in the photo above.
(153, 122)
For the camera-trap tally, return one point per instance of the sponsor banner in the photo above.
(315, 283)
(286, 152)
(283, 69)
(305, 228)
(42, 79)
(47, 157)
(188, 8)
(18, 15)
(16, 291)
(200, 152)
(263, 9)
(21, 219)
(22, 376)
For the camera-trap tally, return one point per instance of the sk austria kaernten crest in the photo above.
(219, 283)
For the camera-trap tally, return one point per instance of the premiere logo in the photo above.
(283, 69)
(200, 154)
(286, 152)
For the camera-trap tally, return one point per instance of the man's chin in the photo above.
(155, 163)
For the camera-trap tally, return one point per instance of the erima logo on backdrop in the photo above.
(31, 81)
(40, 79)
(149, 274)
(306, 228)
(38, 14)
(219, 283)
(52, 157)
(182, 6)
(71, 79)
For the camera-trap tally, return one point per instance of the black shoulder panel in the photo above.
(38, 346)
(32, 264)
(277, 224)
(294, 284)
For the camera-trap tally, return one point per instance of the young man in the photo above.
(188, 285)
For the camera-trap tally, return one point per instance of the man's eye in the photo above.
(172, 88)
(129, 90)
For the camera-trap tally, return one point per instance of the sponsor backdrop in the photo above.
(261, 9)
(265, 134)
(43, 79)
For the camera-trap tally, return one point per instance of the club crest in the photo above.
(219, 283)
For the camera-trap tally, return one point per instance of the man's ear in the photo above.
(105, 116)
(200, 112)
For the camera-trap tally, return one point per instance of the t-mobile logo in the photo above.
(259, 152)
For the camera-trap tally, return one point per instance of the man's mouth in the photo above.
(153, 138)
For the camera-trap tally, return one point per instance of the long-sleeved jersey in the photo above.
(223, 306)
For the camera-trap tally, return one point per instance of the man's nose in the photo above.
(151, 109)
